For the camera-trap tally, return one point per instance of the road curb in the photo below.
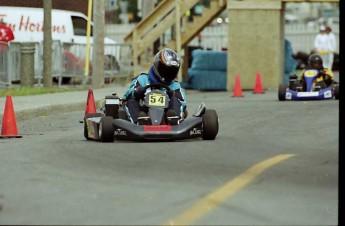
(48, 110)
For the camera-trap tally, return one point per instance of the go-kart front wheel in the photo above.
(210, 124)
(282, 92)
(106, 129)
(92, 115)
(336, 92)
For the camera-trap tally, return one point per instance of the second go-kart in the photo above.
(313, 88)
(114, 123)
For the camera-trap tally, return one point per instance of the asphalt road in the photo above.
(272, 163)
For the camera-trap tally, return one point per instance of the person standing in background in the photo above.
(332, 44)
(6, 35)
(321, 46)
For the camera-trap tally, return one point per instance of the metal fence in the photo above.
(4, 74)
(68, 61)
(117, 61)
(301, 37)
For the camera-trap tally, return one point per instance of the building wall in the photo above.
(73, 5)
(255, 43)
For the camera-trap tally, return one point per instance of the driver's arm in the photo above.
(179, 93)
(329, 74)
(329, 77)
(136, 90)
(301, 75)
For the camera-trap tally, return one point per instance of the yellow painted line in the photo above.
(216, 198)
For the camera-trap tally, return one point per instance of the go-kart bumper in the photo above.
(125, 130)
(316, 95)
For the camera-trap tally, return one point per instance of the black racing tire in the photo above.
(106, 129)
(336, 92)
(282, 92)
(86, 135)
(210, 124)
(92, 115)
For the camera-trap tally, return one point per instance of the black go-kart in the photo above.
(113, 122)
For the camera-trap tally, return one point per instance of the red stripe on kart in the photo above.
(157, 128)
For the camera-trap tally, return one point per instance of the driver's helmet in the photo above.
(166, 65)
(315, 61)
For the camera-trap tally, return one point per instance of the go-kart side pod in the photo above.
(98, 127)
(91, 126)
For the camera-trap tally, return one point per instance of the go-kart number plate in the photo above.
(157, 99)
(310, 73)
(308, 94)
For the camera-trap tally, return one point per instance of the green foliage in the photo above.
(29, 91)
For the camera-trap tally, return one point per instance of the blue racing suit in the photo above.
(177, 101)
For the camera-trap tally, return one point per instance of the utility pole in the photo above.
(47, 44)
(98, 44)
(146, 8)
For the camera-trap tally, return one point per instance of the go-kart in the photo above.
(113, 122)
(313, 88)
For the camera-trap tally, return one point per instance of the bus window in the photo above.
(79, 26)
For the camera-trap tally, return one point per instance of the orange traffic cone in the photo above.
(258, 85)
(90, 104)
(9, 124)
(237, 92)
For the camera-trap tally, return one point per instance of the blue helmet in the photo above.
(166, 65)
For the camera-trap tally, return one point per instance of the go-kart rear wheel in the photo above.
(282, 92)
(336, 92)
(93, 115)
(106, 129)
(210, 124)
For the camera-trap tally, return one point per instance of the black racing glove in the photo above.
(139, 92)
(294, 77)
(171, 93)
(322, 74)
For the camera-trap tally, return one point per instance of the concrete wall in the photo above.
(255, 43)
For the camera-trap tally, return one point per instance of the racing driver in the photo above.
(164, 70)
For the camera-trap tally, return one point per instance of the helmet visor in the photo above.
(316, 64)
(168, 73)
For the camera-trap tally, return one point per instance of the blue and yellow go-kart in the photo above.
(312, 88)
(114, 123)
